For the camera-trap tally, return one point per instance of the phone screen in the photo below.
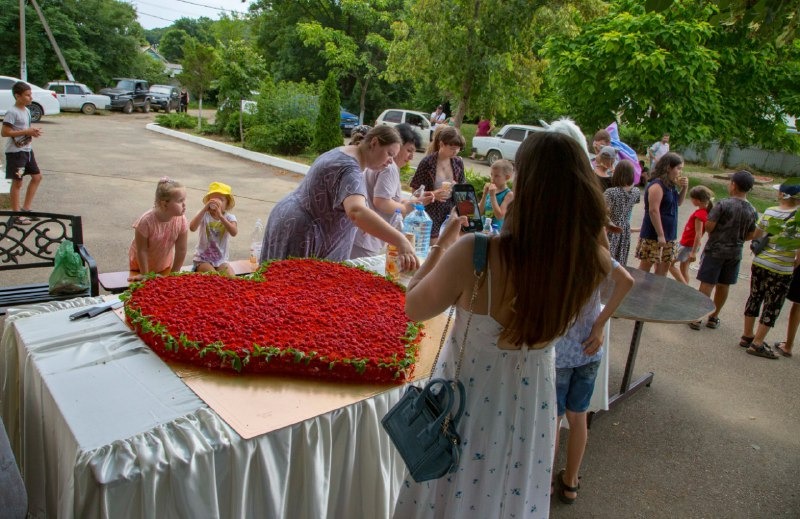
(467, 205)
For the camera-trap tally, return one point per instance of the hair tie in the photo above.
(165, 180)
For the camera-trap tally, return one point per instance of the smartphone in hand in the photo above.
(467, 205)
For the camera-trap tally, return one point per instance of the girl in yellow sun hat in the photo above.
(216, 225)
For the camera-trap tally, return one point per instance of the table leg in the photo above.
(627, 388)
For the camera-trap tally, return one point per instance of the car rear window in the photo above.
(393, 116)
(515, 134)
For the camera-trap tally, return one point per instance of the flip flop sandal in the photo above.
(781, 350)
(562, 487)
(31, 218)
(22, 220)
(695, 325)
(713, 322)
(761, 351)
(746, 341)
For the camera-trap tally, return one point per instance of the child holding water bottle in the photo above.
(216, 227)
(497, 196)
(161, 234)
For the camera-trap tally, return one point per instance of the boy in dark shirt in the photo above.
(731, 222)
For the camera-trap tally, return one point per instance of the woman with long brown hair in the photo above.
(438, 171)
(541, 271)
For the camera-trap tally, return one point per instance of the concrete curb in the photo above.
(269, 160)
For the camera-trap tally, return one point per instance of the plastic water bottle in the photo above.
(419, 224)
(487, 226)
(256, 238)
(392, 254)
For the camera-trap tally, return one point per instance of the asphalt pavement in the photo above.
(716, 435)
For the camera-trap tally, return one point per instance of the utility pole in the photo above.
(23, 59)
(52, 40)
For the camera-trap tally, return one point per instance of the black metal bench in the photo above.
(34, 245)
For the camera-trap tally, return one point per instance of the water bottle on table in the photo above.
(256, 238)
(419, 224)
(392, 254)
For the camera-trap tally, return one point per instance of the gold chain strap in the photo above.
(478, 280)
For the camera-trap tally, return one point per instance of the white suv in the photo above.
(44, 101)
(74, 96)
(418, 121)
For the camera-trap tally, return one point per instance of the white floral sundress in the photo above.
(507, 431)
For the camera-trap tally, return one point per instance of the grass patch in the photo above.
(762, 196)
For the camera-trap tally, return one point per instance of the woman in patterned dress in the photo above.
(620, 199)
(442, 164)
(320, 217)
(540, 273)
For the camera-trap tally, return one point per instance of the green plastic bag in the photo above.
(69, 275)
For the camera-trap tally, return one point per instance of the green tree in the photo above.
(96, 47)
(773, 21)
(199, 70)
(677, 71)
(241, 70)
(171, 45)
(327, 134)
(480, 52)
(354, 41)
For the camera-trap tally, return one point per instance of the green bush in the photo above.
(259, 138)
(477, 180)
(634, 137)
(294, 136)
(327, 134)
(285, 100)
(231, 127)
(288, 138)
(179, 120)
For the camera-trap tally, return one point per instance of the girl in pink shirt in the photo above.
(159, 243)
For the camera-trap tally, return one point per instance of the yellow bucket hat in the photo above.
(220, 189)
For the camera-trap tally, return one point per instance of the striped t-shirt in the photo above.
(773, 257)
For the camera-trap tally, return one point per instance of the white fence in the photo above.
(784, 164)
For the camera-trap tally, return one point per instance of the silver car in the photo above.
(74, 97)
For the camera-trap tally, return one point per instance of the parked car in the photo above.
(418, 121)
(504, 145)
(347, 121)
(128, 94)
(44, 101)
(165, 97)
(74, 96)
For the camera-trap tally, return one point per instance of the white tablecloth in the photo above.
(101, 427)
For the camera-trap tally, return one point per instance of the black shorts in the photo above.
(794, 287)
(718, 271)
(21, 163)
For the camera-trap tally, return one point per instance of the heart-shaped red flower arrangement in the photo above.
(302, 317)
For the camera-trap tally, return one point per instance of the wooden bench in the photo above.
(117, 282)
(34, 245)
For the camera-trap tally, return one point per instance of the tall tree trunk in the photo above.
(363, 99)
(200, 111)
(463, 102)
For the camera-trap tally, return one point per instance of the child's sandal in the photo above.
(562, 487)
(745, 341)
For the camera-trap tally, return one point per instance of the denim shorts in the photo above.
(574, 387)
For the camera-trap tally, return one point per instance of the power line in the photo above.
(212, 7)
(184, 13)
(154, 16)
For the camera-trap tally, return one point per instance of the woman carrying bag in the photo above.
(540, 272)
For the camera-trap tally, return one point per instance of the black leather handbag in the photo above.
(422, 425)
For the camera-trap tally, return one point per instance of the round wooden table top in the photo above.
(658, 299)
